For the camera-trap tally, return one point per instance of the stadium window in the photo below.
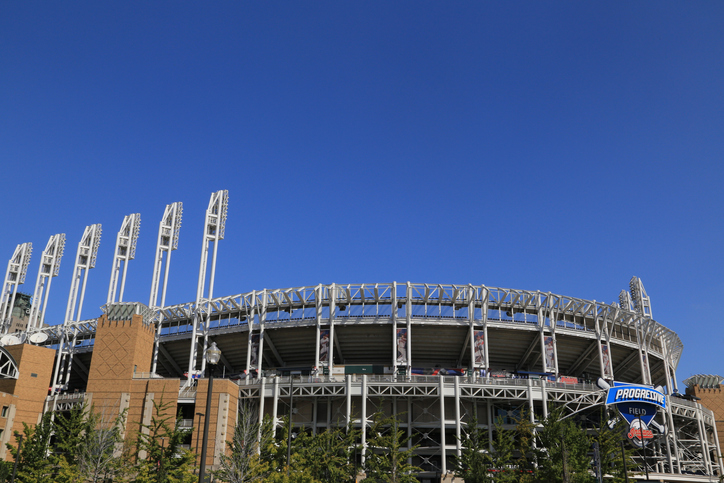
(4, 413)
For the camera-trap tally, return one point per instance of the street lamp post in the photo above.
(213, 354)
(17, 458)
(198, 437)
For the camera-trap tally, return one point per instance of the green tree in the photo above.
(163, 461)
(612, 453)
(243, 463)
(328, 456)
(100, 447)
(473, 465)
(387, 453)
(34, 466)
(525, 462)
(564, 450)
(502, 458)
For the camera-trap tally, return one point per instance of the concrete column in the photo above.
(275, 403)
(530, 401)
(363, 418)
(262, 389)
(458, 449)
(544, 399)
(443, 454)
(491, 427)
(409, 427)
(329, 412)
(348, 393)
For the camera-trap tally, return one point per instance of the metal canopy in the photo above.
(8, 366)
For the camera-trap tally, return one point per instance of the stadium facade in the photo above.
(435, 354)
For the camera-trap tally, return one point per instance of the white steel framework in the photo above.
(125, 251)
(49, 268)
(85, 260)
(214, 228)
(14, 276)
(493, 335)
(168, 233)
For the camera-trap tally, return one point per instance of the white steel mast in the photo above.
(49, 268)
(168, 232)
(14, 276)
(125, 252)
(85, 259)
(213, 232)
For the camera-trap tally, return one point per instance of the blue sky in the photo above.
(561, 147)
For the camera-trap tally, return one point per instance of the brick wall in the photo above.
(712, 399)
(222, 417)
(25, 397)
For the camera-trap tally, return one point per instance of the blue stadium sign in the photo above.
(625, 393)
(638, 405)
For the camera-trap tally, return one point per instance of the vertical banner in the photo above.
(402, 346)
(479, 337)
(550, 355)
(254, 351)
(606, 359)
(324, 347)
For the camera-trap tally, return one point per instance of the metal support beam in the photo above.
(531, 347)
(267, 340)
(585, 355)
(168, 357)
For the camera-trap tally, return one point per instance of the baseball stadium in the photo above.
(335, 354)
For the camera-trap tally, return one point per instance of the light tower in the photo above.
(14, 276)
(641, 301)
(213, 232)
(125, 252)
(49, 268)
(85, 259)
(624, 301)
(168, 232)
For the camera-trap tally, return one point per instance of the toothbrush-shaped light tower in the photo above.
(213, 232)
(168, 232)
(14, 276)
(49, 268)
(85, 259)
(125, 252)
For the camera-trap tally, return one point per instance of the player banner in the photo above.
(479, 345)
(254, 360)
(324, 346)
(550, 356)
(402, 346)
(606, 359)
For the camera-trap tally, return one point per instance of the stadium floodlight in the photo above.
(14, 276)
(168, 233)
(125, 251)
(214, 229)
(49, 268)
(85, 259)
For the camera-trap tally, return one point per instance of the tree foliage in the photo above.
(242, 462)
(329, 455)
(564, 450)
(158, 452)
(387, 452)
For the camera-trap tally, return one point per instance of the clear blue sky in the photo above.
(561, 147)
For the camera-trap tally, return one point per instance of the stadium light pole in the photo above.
(213, 354)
